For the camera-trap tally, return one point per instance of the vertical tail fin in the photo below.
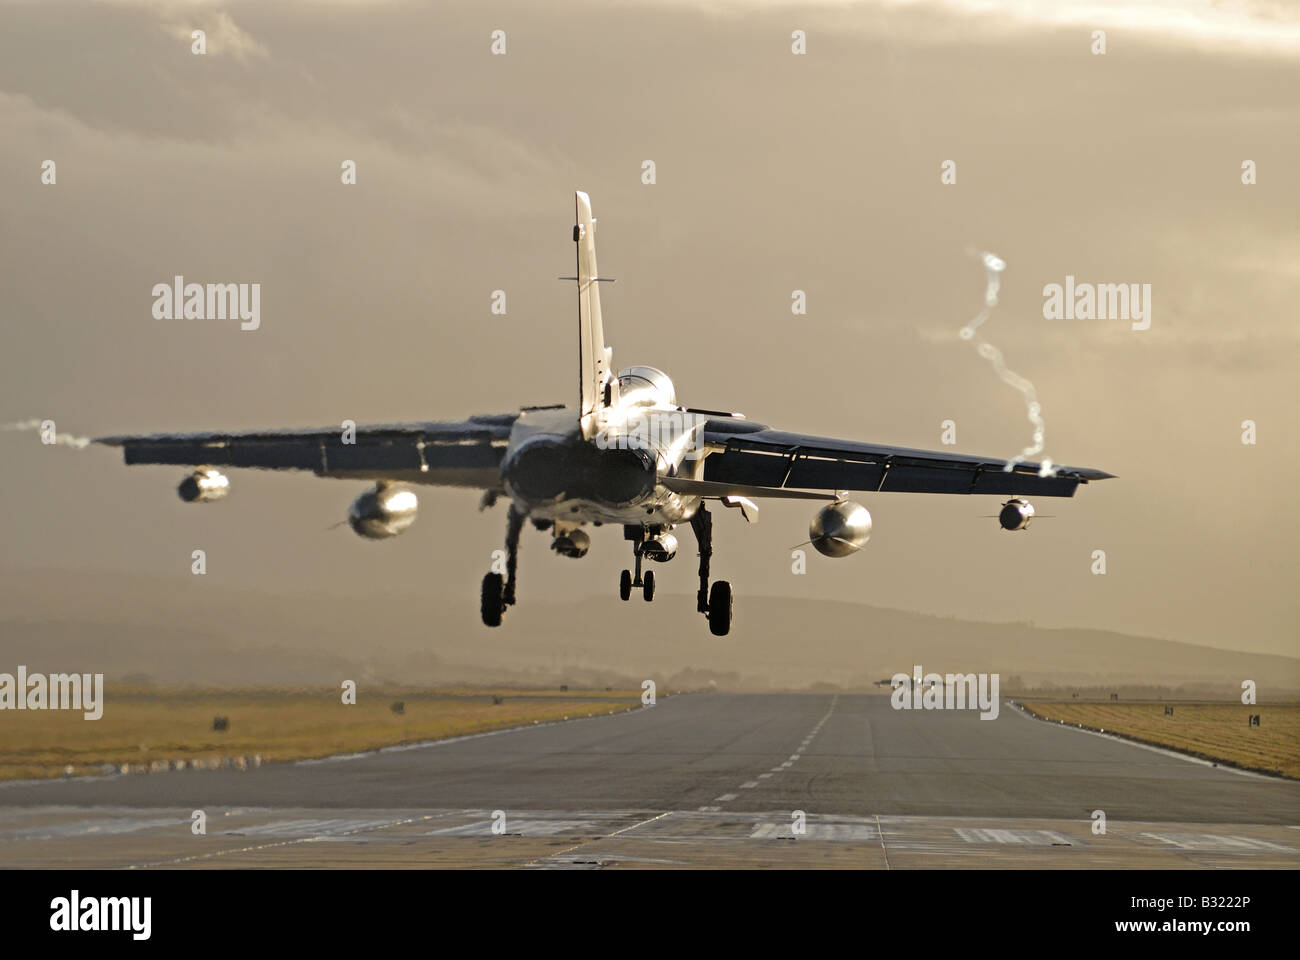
(594, 356)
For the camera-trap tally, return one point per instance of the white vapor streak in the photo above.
(67, 439)
(993, 267)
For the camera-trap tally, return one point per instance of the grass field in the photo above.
(1214, 731)
(151, 727)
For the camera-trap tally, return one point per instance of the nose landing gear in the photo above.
(628, 580)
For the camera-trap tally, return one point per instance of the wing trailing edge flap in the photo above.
(460, 454)
(768, 459)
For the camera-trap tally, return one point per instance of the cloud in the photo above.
(1225, 26)
(224, 37)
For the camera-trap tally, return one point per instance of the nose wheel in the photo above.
(629, 580)
(646, 584)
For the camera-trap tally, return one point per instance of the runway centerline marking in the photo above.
(751, 784)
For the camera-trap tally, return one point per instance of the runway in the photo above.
(703, 780)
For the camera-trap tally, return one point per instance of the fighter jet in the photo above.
(627, 455)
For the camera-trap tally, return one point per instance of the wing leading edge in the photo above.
(464, 453)
(743, 453)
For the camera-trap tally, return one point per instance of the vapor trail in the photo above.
(67, 439)
(993, 267)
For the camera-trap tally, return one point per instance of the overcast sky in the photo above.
(775, 172)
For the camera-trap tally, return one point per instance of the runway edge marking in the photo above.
(425, 744)
(338, 757)
(1167, 751)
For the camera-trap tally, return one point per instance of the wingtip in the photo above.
(1090, 474)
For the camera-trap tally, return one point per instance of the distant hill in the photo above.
(196, 632)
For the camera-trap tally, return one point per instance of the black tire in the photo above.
(625, 585)
(648, 586)
(720, 608)
(491, 605)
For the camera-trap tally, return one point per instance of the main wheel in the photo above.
(625, 585)
(648, 586)
(720, 608)
(491, 604)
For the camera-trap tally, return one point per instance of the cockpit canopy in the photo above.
(646, 386)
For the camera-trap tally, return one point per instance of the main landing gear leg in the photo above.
(715, 603)
(514, 523)
(499, 592)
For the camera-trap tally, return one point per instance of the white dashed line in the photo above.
(751, 784)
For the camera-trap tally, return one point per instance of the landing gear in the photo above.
(499, 593)
(720, 609)
(647, 584)
(629, 580)
(490, 604)
(715, 603)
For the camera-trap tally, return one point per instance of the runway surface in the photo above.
(708, 779)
